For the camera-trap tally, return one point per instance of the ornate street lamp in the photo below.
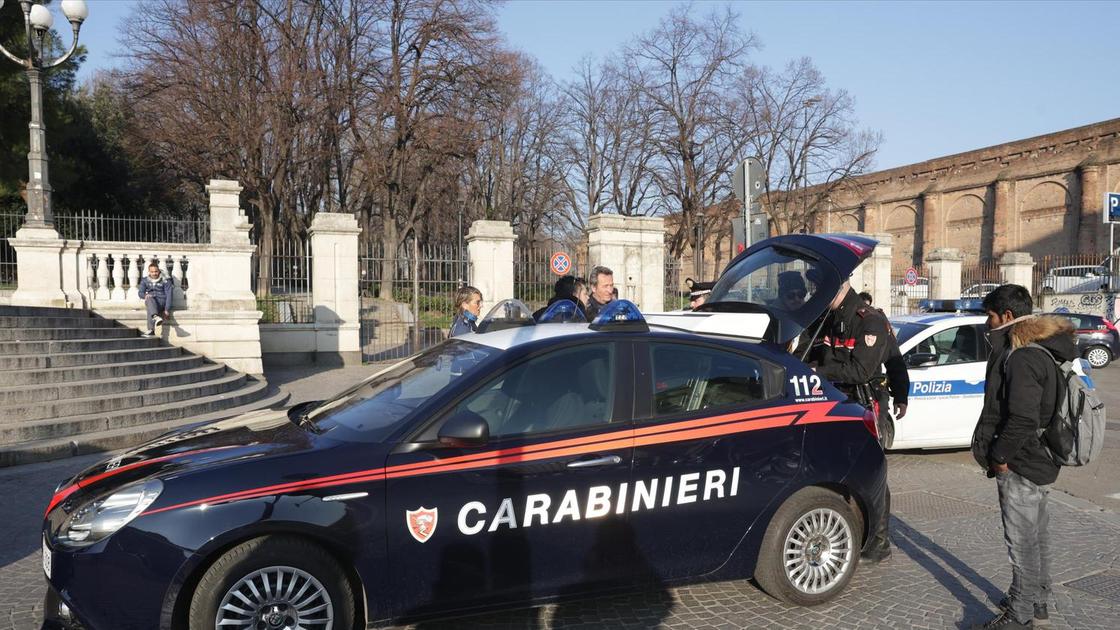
(37, 22)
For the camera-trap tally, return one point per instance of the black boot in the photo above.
(1004, 621)
(1041, 612)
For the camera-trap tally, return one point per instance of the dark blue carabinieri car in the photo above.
(526, 462)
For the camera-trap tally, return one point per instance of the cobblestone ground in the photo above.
(948, 570)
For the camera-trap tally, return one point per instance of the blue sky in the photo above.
(935, 78)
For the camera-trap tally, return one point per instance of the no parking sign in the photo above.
(911, 276)
(560, 263)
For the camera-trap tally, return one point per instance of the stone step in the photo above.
(41, 311)
(19, 348)
(70, 426)
(58, 334)
(119, 438)
(92, 372)
(108, 385)
(56, 322)
(19, 423)
(87, 358)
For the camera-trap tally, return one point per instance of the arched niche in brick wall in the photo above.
(847, 223)
(902, 225)
(1047, 219)
(968, 227)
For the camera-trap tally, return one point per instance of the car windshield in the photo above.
(373, 410)
(903, 332)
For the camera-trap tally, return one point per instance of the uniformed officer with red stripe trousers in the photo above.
(849, 351)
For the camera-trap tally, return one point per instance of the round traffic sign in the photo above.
(560, 263)
(911, 276)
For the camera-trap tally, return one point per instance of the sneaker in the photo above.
(875, 556)
(148, 333)
(158, 320)
(1004, 621)
(1041, 612)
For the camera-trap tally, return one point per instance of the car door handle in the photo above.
(609, 460)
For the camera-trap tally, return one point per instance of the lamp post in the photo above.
(37, 23)
(809, 102)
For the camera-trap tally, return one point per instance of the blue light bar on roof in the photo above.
(974, 305)
(620, 315)
(562, 312)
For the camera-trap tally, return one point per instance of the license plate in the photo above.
(46, 558)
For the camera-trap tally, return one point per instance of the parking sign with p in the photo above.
(1112, 207)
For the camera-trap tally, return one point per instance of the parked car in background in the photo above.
(1097, 338)
(979, 290)
(918, 291)
(1076, 279)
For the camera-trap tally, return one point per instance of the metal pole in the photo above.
(39, 212)
(416, 293)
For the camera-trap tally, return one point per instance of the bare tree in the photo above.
(806, 135)
(686, 68)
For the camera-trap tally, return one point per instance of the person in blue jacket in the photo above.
(468, 307)
(155, 289)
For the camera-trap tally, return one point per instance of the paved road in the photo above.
(949, 567)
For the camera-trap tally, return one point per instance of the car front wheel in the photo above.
(273, 582)
(811, 548)
(1098, 356)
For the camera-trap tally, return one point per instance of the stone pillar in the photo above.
(1003, 238)
(874, 274)
(1092, 200)
(334, 288)
(228, 223)
(634, 249)
(490, 254)
(927, 236)
(38, 267)
(945, 273)
(1017, 268)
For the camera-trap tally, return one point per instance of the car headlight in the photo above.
(102, 517)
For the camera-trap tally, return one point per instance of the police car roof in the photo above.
(722, 324)
(933, 318)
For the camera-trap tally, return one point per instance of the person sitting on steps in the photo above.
(155, 289)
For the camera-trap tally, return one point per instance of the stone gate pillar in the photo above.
(334, 287)
(634, 249)
(1017, 268)
(38, 267)
(945, 273)
(490, 252)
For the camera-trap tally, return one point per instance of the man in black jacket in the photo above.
(568, 288)
(1021, 392)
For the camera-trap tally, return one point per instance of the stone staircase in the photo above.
(74, 383)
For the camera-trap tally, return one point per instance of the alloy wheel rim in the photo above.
(817, 551)
(1097, 357)
(276, 598)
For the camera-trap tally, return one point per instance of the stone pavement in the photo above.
(949, 567)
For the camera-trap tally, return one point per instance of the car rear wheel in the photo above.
(811, 548)
(273, 583)
(1098, 356)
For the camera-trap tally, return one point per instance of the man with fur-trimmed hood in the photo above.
(1021, 392)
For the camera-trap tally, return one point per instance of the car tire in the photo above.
(1047, 291)
(1097, 356)
(812, 519)
(249, 570)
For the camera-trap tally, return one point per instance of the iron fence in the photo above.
(978, 279)
(92, 226)
(282, 282)
(907, 289)
(9, 223)
(676, 293)
(1075, 273)
(408, 297)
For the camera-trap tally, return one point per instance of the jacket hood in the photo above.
(1051, 332)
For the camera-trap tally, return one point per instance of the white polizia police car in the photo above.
(946, 356)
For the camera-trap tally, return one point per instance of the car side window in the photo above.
(960, 344)
(565, 389)
(688, 378)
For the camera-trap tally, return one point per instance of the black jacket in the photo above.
(854, 343)
(1020, 394)
(593, 308)
(554, 299)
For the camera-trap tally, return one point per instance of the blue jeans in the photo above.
(1026, 522)
(155, 307)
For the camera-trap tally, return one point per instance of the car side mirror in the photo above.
(921, 359)
(464, 429)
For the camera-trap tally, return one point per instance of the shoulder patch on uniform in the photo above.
(870, 340)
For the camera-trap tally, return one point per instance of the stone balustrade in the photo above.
(113, 271)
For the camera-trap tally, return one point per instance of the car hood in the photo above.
(249, 436)
(817, 264)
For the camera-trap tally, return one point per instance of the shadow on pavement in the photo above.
(934, 559)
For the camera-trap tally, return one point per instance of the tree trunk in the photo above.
(390, 240)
